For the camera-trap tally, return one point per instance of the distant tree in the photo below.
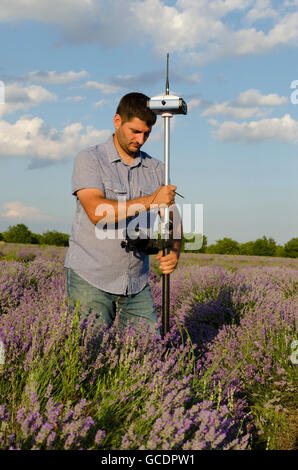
(210, 249)
(246, 248)
(264, 247)
(17, 234)
(52, 237)
(280, 251)
(1, 237)
(36, 239)
(291, 248)
(204, 245)
(226, 246)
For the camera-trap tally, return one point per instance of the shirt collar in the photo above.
(114, 156)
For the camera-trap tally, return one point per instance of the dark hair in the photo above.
(135, 105)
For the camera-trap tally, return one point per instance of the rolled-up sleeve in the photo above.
(86, 172)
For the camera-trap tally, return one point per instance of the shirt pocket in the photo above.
(146, 190)
(114, 190)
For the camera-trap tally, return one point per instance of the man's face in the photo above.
(131, 135)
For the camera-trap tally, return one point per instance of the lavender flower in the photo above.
(75, 386)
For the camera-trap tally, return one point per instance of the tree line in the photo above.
(261, 247)
(20, 233)
(264, 246)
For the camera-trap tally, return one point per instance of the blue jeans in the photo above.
(131, 308)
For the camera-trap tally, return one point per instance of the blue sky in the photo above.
(65, 65)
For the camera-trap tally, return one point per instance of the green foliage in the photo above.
(280, 251)
(18, 234)
(52, 237)
(36, 239)
(260, 247)
(246, 248)
(225, 246)
(291, 248)
(264, 247)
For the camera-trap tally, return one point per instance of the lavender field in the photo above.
(224, 378)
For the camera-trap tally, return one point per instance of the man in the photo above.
(110, 181)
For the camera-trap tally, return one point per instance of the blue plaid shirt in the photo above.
(103, 262)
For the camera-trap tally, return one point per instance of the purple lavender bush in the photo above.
(214, 382)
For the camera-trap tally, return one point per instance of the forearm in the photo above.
(112, 211)
(176, 247)
(109, 211)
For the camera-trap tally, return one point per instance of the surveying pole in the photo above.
(165, 106)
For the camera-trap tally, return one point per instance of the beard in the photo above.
(131, 149)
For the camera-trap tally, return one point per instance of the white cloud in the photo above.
(201, 30)
(12, 10)
(283, 129)
(30, 137)
(18, 210)
(52, 77)
(248, 103)
(176, 28)
(233, 111)
(254, 97)
(260, 11)
(99, 103)
(47, 77)
(75, 99)
(105, 88)
(211, 37)
(22, 98)
(195, 103)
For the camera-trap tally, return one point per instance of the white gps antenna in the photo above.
(166, 105)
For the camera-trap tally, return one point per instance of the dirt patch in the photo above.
(288, 437)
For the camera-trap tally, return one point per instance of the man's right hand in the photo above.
(164, 196)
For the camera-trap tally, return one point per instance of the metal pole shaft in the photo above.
(166, 235)
(167, 146)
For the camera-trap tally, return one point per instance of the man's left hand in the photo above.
(168, 262)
